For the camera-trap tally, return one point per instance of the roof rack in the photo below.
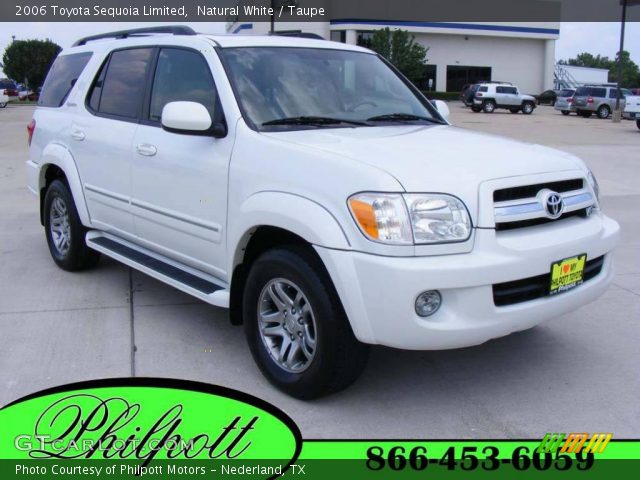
(173, 29)
(297, 34)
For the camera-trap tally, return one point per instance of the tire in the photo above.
(3, 104)
(638, 124)
(514, 110)
(61, 220)
(584, 113)
(489, 106)
(603, 111)
(322, 329)
(476, 109)
(527, 108)
(565, 112)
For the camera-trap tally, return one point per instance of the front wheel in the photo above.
(295, 325)
(527, 108)
(64, 230)
(638, 123)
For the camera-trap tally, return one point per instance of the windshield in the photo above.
(292, 88)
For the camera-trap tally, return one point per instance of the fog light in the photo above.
(428, 303)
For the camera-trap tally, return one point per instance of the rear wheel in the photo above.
(584, 113)
(638, 123)
(604, 111)
(476, 109)
(296, 327)
(489, 106)
(565, 112)
(527, 108)
(64, 230)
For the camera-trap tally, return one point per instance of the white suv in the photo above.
(313, 191)
(490, 96)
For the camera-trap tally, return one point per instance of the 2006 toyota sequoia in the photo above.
(312, 190)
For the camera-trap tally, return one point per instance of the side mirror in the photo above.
(190, 118)
(443, 109)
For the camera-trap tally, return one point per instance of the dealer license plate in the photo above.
(567, 274)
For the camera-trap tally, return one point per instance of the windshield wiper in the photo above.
(401, 117)
(312, 120)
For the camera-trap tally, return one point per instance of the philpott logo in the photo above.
(148, 420)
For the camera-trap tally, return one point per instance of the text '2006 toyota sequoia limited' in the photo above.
(309, 188)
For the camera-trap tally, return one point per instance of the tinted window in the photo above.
(598, 92)
(510, 90)
(123, 85)
(483, 89)
(567, 92)
(582, 91)
(61, 78)
(181, 75)
(7, 84)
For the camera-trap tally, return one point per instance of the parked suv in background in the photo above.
(564, 100)
(9, 86)
(490, 96)
(313, 191)
(598, 99)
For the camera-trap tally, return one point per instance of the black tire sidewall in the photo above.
(331, 322)
(78, 256)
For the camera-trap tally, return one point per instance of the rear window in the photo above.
(7, 84)
(61, 78)
(566, 92)
(120, 85)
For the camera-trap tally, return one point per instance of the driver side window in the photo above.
(181, 75)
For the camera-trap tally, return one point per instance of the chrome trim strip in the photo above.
(175, 216)
(106, 193)
(531, 208)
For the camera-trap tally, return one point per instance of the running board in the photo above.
(201, 285)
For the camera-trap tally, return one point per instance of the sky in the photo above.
(575, 37)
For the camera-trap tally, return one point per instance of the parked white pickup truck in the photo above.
(311, 189)
(632, 109)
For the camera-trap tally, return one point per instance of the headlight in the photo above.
(594, 185)
(405, 219)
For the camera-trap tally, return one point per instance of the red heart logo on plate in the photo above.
(565, 269)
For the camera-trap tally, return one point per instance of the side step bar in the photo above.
(201, 285)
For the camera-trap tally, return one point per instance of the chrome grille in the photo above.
(523, 206)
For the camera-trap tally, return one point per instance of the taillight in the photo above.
(30, 129)
(590, 100)
(479, 94)
(4, 92)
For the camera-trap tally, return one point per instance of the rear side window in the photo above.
(181, 75)
(61, 78)
(599, 92)
(483, 89)
(583, 91)
(120, 85)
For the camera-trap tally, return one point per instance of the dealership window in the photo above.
(458, 76)
(365, 38)
(339, 36)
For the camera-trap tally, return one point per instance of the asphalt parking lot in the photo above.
(579, 372)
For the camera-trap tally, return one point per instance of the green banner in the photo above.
(157, 428)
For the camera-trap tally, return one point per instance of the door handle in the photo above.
(77, 134)
(146, 149)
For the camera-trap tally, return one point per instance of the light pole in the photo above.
(617, 114)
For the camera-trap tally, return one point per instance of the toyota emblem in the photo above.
(552, 203)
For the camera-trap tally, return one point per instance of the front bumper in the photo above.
(378, 293)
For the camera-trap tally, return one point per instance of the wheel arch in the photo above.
(272, 219)
(57, 163)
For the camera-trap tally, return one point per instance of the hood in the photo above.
(435, 158)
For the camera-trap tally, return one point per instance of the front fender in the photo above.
(294, 213)
(58, 155)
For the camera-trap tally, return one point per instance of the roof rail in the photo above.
(298, 34)
(172, 29)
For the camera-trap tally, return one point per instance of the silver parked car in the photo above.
(599, 99)
(564, 100)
